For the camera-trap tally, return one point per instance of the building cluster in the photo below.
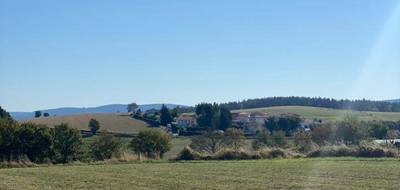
(249, 122)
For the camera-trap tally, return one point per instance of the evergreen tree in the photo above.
(165, 117)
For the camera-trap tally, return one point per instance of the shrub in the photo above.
(188, 154)
(350, 131)
(94, 126)
(67, 143)
(105, 147)
(334, 151)
(278, 153)
(377, 130)
(210, 142)
(375, 150)
(151, 142)
(323, 133)
(277, 139)
(234, 138)
(233, 155)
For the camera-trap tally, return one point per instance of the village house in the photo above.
(241, 117)
(258, 118)
(186, 120)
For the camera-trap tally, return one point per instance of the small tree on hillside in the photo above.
(94, 126)
(46, 114)
(151, 142)
(132, 107)
(38, 114)
(165, 117)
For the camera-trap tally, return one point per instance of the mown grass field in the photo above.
(113, 122)
(325, 113)
(327, 173)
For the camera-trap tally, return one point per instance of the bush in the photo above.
(105, 147)
(233, 155)
(278, 153)
(94, 126)
(188, 154)
(350, 130)
(151, 142)
(234, 138)
(334, 151)
(323, 133)
(277, 139)
(67, 143)
(210, 142)
(375, 150)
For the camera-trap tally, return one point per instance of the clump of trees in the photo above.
(38, 143)
(285, 123)
(152, 143)
(213, 116)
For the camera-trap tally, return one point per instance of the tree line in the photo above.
(358, 105)
(21, 142)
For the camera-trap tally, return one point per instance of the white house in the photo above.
(185, 120)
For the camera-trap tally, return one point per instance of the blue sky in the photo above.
(89, 53)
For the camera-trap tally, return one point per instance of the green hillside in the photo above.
(325, 113)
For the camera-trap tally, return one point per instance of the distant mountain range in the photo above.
(112, 108)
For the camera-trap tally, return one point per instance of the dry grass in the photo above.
(113, 122)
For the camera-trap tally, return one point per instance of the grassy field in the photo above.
(113, 122)
(327, 173)
(325, 113)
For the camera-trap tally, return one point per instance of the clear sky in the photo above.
(93, 52)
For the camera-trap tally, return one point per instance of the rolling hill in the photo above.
(111, 108)
(113, 122)
(325, 113)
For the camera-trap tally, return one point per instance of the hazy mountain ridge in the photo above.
(111, 108)
(393, 101)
